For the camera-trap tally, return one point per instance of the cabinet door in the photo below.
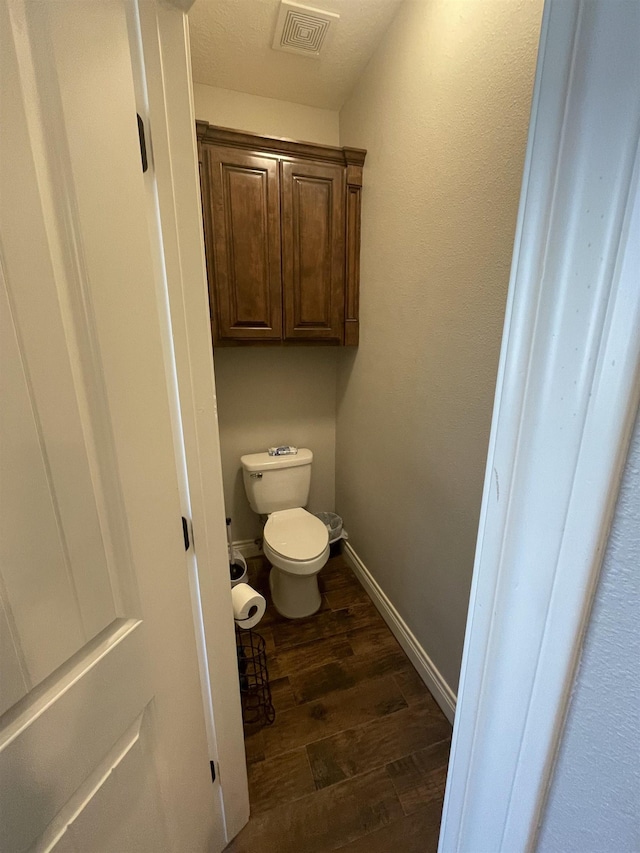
(242, 230)
(313, 250)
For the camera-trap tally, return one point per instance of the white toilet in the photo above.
(296, 543)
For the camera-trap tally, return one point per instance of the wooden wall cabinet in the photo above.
(282, 238)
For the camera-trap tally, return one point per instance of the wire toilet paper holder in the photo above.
(255, 690)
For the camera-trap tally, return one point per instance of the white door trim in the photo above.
(165, 43)
(567, 393)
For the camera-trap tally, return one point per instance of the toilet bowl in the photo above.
(296, 544)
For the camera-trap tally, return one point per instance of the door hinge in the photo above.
(185, 533)
(143, 144)
(212, 765)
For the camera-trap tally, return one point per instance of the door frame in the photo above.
(566, 398)
(164, 36)
(515, 683)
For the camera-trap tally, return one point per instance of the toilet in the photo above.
(295, 542)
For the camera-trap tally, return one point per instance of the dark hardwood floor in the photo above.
(356, 759)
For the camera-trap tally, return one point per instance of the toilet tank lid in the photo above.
(263, 462)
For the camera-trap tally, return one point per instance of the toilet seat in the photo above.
(296, 541)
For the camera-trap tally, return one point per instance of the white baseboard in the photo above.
(433, 679)
(248, 548)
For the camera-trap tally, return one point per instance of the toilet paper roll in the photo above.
(248, 605)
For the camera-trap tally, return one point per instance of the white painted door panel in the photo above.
(53, 566)
(102, 737)
(111, 820)
(63, 736)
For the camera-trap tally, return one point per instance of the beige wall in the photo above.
(267, 116)
(269, 396)
(443, 110)
(593, 798)
(276, 396)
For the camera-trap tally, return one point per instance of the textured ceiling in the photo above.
(231, 48)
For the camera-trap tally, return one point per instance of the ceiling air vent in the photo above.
(301, 29)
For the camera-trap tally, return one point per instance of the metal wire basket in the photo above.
(255, 692)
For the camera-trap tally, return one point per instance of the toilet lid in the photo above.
(296, 534)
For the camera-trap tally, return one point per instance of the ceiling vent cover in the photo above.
(301, 29)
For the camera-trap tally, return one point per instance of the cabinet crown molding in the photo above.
(279, 145)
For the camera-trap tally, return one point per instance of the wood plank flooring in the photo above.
(356, 759)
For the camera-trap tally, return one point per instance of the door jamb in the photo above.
(165, 45)
(567, 393)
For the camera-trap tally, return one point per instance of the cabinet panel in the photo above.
(282, 237)
(243, 251)
(313, 247)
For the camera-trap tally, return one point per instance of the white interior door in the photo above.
(102, 735)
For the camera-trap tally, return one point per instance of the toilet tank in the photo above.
(273, 483)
